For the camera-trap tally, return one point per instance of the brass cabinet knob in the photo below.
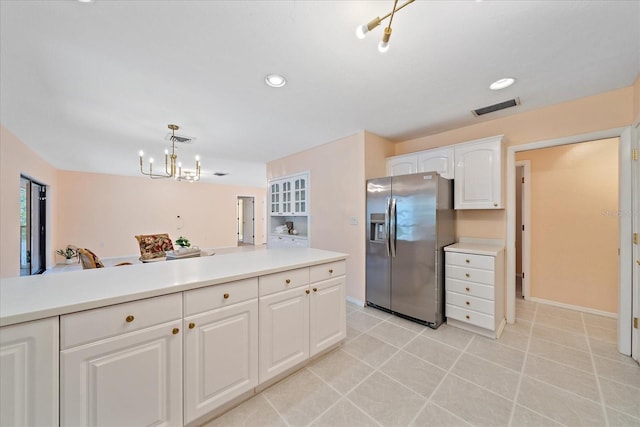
(467, 316)
(225, 296)
(331, 271)
(467, 274)
(307, 291)
(468, 303)
(467, 261)
(467, 289)
(495, 205)
(192, 325)
(315, 289)
(129, 319)
(175, 331)
(287, 281)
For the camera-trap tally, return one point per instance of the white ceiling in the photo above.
(88, 85)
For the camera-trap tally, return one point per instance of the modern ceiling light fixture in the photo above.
(275, 80)
(362, 30)
(172, 168)
(502, 83)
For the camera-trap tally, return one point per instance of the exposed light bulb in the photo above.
(150, 159)
(361, 31)
(166, 151)
(383, 46)
(141, 153)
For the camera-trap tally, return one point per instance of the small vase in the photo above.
(68, 261)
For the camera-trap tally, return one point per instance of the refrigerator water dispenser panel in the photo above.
(377, 232)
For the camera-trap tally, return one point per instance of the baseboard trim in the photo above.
(574, 307)
(355, 301)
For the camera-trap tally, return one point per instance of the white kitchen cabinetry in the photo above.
(29, 369)
(302, 313)
(221, 345)
(479, 174)
(437, 160)
(474, 288)
(289, 203)
(122, 364)
(402, 165)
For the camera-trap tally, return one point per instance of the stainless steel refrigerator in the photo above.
(410, 219)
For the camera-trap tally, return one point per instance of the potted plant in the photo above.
(183, 242)
(68, 254)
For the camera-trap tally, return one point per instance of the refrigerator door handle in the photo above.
(392, 234)
(387, 241)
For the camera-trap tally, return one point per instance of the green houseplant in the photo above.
(183, 242)
(68, 254)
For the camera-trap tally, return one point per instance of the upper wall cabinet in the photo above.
(289, 196)
(438, 160)
(402, 165)
(479, 174)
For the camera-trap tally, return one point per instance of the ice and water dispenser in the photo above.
(377, 231)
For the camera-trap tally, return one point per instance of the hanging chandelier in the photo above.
(362, 30)
(172, 168)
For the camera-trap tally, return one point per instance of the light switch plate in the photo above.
(353, 220)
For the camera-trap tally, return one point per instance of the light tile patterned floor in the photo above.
(553, 367)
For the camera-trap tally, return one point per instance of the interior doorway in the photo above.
(33, 196)
(246, 221)
(523, 200)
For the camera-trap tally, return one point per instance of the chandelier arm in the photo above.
(393, 12)
(395, 9)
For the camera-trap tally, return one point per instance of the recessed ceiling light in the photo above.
(85, 1)
(502, 83)
(275, 80)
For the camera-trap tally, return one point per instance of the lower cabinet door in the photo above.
(129, 380)
(327, 314)
(284, 331)
(29, 374)
(221, 357)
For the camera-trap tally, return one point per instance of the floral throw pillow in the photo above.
(154, 245)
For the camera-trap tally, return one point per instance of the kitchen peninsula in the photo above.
(170, 343)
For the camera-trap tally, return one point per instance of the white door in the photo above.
(132, 379)
(221, 357)
(327, 313)
(29, 370)
(284, 331)
(246, 220)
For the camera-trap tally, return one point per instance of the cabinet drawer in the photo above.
(93, 325)
(277, 282)
(470, 274)
(327, 271)
(216, 296)
(470, 288)
(469, 316)
(483, 262)
(470, 303)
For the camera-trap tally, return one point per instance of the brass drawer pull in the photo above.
(175, 331)
(467, 261)
(307, 291)
(287, 281)
(467, 289)
(192, 325)
(129, 319)
(467, 274)
(315, 289)
(226, 296)
(467, 316)
(331, 271)
(468, 303)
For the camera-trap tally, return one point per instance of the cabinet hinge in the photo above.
(635, 322)
(635, 238)
(523, 179)
(634, 154)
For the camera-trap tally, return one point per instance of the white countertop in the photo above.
(29, 298)
(475, 248)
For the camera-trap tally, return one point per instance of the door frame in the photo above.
(525, 248)
(239, 226)
(635, 178)
(625, 309)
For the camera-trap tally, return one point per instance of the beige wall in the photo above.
(574, 224)
(636, 100)
(105, 212)
(595, 113)
(337, 193)
(376, 149)
(16, 159)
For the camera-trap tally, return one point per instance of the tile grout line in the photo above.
(595, 371)
(435, 390)
(524, 364)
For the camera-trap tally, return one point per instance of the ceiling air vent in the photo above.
(496, 107)
(220, 173)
